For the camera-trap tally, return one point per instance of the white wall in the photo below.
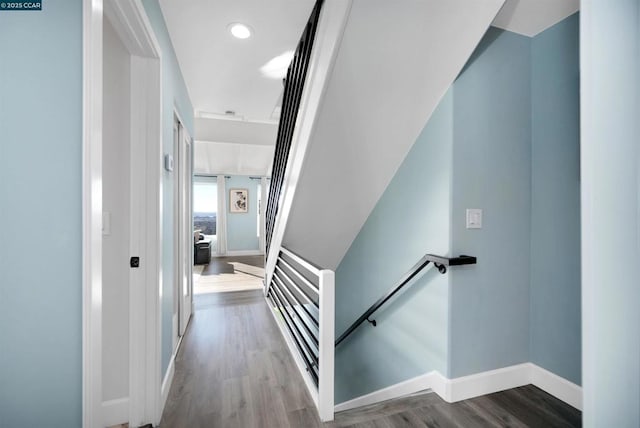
(115, 290)
(232, 159)
(238, 132)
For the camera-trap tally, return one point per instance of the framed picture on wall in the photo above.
(238, 200)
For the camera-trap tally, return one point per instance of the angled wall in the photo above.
(383, 87)
(41, 216)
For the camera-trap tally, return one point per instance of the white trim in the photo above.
(557, 386)
(299, 260)
(407, 387)
(92, 213)
(326, 375)
(241, 253)
(145, 300)
(264, 197)
(475, 385)
(199, 114)
(183, 230)
(130, 21)
(153, 288)
(115, 412)
(333, 19)
(466, 387)
(166, 383)
(293, 351)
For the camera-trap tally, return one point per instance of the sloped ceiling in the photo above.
(530, 17)
(393, 67)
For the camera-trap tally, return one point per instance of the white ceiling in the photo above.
(223, 73)
(530, 17)
(231, 131)
(232, 159)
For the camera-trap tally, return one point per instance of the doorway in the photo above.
(125, 285)
(228, 213)
(183, 233)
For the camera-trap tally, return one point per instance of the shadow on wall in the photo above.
(386, 344)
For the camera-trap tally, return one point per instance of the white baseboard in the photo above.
(475, 385)
(409, 386)
(166, 382)
(463, 388)
(557, 386)
(115, 412)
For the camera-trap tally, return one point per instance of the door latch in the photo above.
(134, 262)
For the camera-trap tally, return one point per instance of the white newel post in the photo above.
(327, 348)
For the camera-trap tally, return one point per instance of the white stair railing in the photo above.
(302, 298)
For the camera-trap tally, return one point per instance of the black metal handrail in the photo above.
(439, 262)
(293, 86)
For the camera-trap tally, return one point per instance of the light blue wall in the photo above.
(242, 228)
(174, 96)
(610, 166)
(514, 155)
(41, 216)
(555, 201)
(492, 171)
(410, 219)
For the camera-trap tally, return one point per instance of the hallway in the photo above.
(234, 370)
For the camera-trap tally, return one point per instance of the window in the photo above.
(205, 205)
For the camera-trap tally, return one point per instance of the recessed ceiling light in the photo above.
(240, 31)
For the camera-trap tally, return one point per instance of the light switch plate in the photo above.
(168, 162)
(474, 218)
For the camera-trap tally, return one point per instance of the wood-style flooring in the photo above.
(234, 370)
(225, 274)
(219, 265)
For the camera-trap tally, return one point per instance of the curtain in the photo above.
(221, 228)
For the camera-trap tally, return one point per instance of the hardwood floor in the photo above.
(224, 264)
(527, 406)
(234, 370)
(225, 274)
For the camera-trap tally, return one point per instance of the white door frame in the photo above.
(183, 230)
(133, 27)
(186, 223)
(92, 213)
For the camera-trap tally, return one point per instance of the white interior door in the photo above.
(183, 216)
(186, 241)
